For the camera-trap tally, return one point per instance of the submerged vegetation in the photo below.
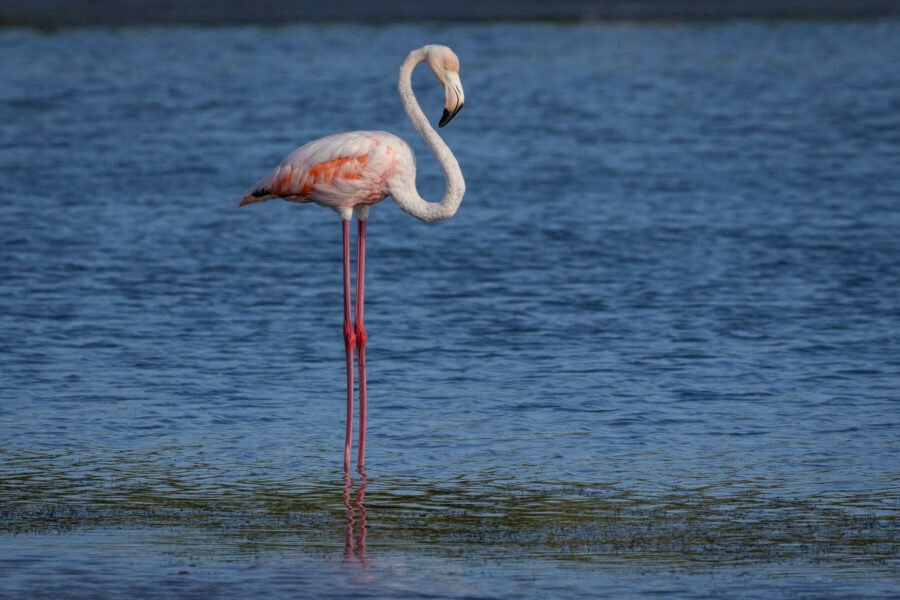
(477, 517)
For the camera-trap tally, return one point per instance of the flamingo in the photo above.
(349, 172)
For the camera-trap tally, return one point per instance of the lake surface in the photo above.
(657, 351)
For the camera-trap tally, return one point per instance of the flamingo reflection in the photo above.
(355, 548)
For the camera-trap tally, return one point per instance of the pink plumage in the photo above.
(343, 170)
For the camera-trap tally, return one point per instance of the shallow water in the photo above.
(656, 351)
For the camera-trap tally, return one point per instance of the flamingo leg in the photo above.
(361, 338)
(349, 343)
(363, 514)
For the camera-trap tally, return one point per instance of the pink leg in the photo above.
(349, 344)
(361, 338)
(363, 515)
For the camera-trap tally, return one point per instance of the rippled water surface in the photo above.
(657, 351)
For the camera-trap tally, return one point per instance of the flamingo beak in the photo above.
(454, 96)
(448, 115)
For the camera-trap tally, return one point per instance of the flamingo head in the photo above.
(445, 66)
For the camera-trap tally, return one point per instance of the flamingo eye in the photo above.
(451, 63)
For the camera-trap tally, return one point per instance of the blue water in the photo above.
(657, 351)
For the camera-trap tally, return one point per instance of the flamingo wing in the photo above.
(340, 170)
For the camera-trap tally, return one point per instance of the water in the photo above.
(657, 352)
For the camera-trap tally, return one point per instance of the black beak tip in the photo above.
(448, 116)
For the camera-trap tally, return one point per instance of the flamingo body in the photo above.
(339, 171)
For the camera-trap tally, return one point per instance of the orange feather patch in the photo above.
(343, 167)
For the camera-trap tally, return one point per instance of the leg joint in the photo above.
(349, 335)
(361, 335)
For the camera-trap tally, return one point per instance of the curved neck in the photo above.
(406, 196)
